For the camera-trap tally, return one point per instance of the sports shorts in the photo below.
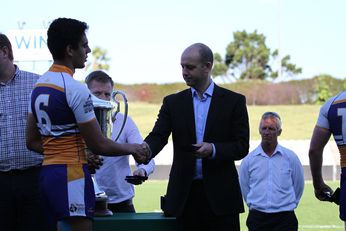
(67, 190)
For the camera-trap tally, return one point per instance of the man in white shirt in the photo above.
(111, 176)
(271, 180)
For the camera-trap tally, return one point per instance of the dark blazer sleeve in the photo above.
(159, 135)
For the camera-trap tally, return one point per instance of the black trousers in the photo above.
(197, 214)
(282, 221)
(122, 207)
(20, 201)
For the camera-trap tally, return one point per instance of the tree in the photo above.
(324, 88)
(100, 59)
(248, 57)
(220, 68)
(286, 67)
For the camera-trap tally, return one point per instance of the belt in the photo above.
(254, 211)
(16, 172)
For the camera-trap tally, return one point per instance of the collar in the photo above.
(278, 151)
(11, 79)
(207, 93)
(61, 68)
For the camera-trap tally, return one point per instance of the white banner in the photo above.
(29, 45)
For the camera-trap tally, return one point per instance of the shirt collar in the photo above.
(61, 68)
(12, 78)
(207, 93)
(259, 151)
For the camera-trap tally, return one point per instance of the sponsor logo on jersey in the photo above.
(77, 208)
(88, 105)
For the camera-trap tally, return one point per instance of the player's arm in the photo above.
(33, 136)
(80, 101)
(98, 144)
(319, 140)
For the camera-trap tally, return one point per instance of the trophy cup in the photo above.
(104, 114)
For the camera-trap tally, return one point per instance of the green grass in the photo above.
(311, 213)
(144, 115)
(298, 120)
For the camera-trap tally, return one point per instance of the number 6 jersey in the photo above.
(59, 103)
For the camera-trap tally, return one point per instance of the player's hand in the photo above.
(94, 162)
(323, 192)
(141, 153)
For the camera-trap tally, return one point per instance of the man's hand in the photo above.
(205, 150)
(140, 172)
(94, 162)
(141, 153)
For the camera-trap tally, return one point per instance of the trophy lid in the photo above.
(100, 103)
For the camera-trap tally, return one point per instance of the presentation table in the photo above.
(135, 221)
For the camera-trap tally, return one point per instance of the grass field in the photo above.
(298, 120)
(312, 214)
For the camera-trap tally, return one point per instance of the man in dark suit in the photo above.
(210, 130)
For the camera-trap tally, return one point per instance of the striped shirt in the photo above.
(14, 100)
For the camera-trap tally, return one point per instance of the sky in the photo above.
(145, 38)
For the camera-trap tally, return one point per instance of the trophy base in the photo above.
(101, 209)
(103, 213)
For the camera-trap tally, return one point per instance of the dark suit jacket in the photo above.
(226, 126)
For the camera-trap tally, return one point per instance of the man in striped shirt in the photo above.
(19, 168)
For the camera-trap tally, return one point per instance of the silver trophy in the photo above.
(105, 112)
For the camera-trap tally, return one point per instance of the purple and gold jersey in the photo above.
(333, 118)
(59, 103)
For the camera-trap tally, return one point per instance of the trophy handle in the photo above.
(114, 94)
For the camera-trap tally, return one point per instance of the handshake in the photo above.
(140, 152)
